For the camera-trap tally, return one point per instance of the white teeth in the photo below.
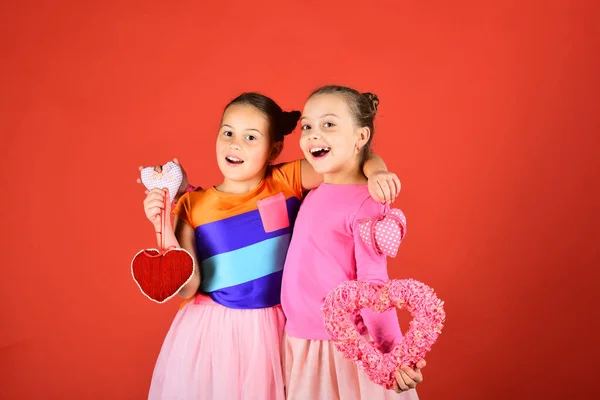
(234, 159)
(317, 149)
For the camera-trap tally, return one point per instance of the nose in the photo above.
(314, 134)
(234, 146)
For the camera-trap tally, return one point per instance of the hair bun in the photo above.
(289, 120)
(373, 101)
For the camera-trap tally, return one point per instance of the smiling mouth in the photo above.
(319, 151)
(234, 160)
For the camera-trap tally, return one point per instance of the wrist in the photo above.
(368, 174)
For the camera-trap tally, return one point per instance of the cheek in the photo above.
(259, 154)
(302, 142)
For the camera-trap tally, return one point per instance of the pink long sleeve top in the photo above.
(326, 249)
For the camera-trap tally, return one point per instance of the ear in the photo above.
(275, 151)
(362, 134)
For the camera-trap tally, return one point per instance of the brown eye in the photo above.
(250, 137)
(328, 124)
(228, 133)
(305, 127)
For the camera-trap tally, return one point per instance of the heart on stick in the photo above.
(344, 303)
(162, 273)
(169, 178)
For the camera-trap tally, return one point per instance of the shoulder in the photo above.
(285, 169)
(287, 175)
(192, 197)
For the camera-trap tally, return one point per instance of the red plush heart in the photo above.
(160, 276)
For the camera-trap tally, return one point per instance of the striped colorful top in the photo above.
(241, 249)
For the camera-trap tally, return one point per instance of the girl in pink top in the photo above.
(326, 249)
(225, 342)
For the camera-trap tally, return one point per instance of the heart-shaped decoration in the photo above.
(384, 232)
(343, 304)
(170, 178)
(161, 275)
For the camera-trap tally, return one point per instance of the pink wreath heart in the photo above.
(344, 303)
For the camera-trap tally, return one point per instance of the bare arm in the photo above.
(373, 163)
(311, 178)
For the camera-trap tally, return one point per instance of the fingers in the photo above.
(385, 187)
(396, 186)
(421, 364)
(176, 161)
(385, 191)
(154, 203)
(375, 192)
(158, 168)
(155, 195)
(412, 377)
(407, 378)
(397, 388)
(404, 381)
(400, 381)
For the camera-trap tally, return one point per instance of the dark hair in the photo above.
(363, 107)
(281, 123)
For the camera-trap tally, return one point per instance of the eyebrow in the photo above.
(323, 116)
(251, 129)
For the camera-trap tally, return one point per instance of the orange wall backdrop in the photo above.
(489, 114)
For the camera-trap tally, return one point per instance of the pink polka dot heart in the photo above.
(384, 232)
(170, 178)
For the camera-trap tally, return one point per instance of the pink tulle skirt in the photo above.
(212, 353)
(314, 369)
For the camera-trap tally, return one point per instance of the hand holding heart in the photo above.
(154, 206)
(342, 305)
(162, 273)
(384, 186)
(170, 175)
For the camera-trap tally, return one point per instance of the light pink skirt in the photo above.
(314, 369)
(212, 353)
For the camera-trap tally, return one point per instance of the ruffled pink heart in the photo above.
(345, 302)
(384, 232)
(169, 178)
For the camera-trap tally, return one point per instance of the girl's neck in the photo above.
(352, 176)
(239, 187)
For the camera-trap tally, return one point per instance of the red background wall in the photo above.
(489, 115)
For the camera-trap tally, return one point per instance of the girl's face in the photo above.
(243, 144)
(329, 136)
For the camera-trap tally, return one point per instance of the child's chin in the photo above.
(323, 169)
(234, 175)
